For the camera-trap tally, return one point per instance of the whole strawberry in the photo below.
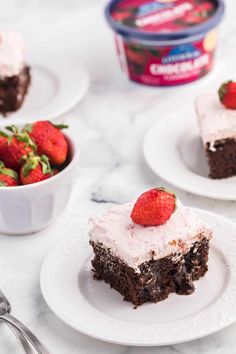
(3, 139)
(15, 148)
(227, 94)
(8, 177)
(36, 169)
(50, 141)
(153, 207)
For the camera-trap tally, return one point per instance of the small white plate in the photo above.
(94, 309)
(174, 151)
(55, 88)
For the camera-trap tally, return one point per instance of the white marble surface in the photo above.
(109, 124)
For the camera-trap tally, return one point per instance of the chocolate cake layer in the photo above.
(13, 90)
(222, 158)
(156, 279)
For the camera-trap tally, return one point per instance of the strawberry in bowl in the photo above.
(15, 146)
(49, 140)
(8, 177)
(37, 170)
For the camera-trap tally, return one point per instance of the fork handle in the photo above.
(21, 339)
(39, 347)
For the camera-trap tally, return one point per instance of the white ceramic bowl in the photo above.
(30, 208)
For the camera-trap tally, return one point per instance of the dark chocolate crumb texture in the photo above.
(13, 91)
(14, 72)
(156, 278)
(217, 121)
(222, 158)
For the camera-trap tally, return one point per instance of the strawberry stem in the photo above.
(28, 128)
(61, 126)
(223, 90)
(13, 129)
(30, 165)
(45, 164)
(3, 134)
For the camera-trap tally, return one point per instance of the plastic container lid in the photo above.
(163, 20)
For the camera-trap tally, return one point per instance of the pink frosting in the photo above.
(12, 53)
(215, 121)
(135, 244)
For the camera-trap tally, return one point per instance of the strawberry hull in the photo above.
(165, 42)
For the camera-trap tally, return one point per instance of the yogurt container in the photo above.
(165, 42)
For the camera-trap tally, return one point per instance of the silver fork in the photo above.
(5, 309)
(21, 339)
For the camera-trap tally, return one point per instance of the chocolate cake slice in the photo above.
(218, 132)
(14, 73)
(146, 264)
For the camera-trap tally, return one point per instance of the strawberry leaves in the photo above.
(227, 94)
(61, 126)
(7, 171)
(3, 134)
(28, 128)
(30, 165)
(45, 164)
(13, 129)
(33, 162)
(22, 136)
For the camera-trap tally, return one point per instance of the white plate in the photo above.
(55, 88)
(173, 150)
(92, 308)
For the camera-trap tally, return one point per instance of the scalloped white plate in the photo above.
(174, 151)
(94, 309)
(56, 87)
